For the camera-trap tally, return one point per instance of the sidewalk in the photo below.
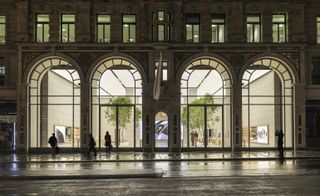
(128, 164)
(157, 156)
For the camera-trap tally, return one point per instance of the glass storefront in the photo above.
(266, 104)
(116, 103)
(205, 105)
(54, 104)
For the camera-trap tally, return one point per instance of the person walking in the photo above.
(280, 142)
(53, 143)
(108, 144)
(92, 146)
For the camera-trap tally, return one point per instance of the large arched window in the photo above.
(54, 103)
(267, 103)
(205, 104)
(116, 103)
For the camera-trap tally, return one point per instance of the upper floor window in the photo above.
(193, 28)
(315, 70)
(129, 28)
(161, 26)
(253, 28)
(164, 70)
(103, 28)
(218, 28)
(279, 28)
(2, 29)
(318, 30)
(2, 72)
(42, 25)
(68, 27)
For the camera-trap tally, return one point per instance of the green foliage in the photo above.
(124, 114)
(196, 113)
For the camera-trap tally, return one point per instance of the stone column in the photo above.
(178, 26)
(299, 116)
(85, 115)
(236, 111)
(296, 24)
(205, 28)
(22, 118)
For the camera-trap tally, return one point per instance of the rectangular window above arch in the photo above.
(2, 30)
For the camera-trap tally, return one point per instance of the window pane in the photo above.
(217, 18)
(2, 29)
(125, 33)
(46, 32)
(196, 35)
(257, 33)
(161, 15)
(68, 18)
(100, 33)
(71, 33)
(39, 33)
(278, 18)
(249, 33)
(275, 33)
(132, 33)
(42, 18)
(129, 18)
(103, 18)
(253, 19)
(64, 33)
(2, 19)
(189, 33)
(107, 33)
(160, 32)
(214, 33)
(221, 33)
(282, 34)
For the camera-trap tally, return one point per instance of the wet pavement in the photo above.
(134, 173)
(154, 165)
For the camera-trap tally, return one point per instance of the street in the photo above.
(265, 177)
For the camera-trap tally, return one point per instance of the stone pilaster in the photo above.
(22, 118)
(299, 115)
(22, 34)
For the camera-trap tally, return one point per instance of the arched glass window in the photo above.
(205, 104)
(116, 103)
(54, 103)
(267, 104)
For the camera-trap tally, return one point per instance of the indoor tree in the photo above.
(196, 114)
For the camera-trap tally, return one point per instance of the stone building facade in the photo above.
(21, 54)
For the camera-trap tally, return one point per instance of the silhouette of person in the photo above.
(92, 146)
(280, 142)
(108, 144)
(192, 138)
(53, 143)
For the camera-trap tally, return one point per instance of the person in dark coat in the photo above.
(92, 146)
(53, 143)
(108, 144)
(280, 142)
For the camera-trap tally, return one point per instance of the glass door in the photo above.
(119, 121)
(205, 126)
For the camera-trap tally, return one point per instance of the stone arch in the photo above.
(47, 59)
(124, 58)
(271, 60)
(213, 58)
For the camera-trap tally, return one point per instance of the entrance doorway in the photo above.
(205, 126)
(120, 121)
(161, 130)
